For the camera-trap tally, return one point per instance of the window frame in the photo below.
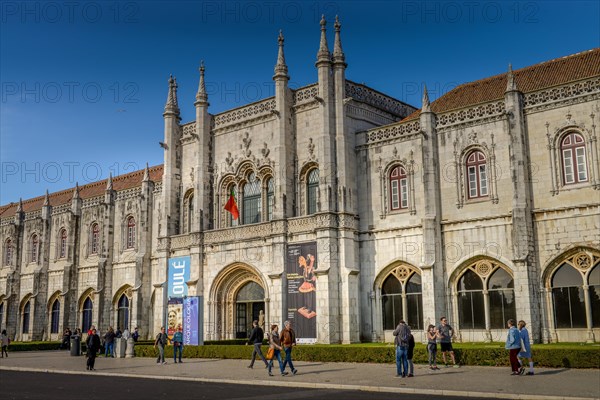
(572, 149)
(94, 238)
(476, 160)
(35, 247)
(130, 233)
(312, 190)
(55, 316)
(398, 182)
(252, 200)
(8, 252)
(62, 243)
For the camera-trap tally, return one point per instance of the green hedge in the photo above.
(33, 346)
(555, 357)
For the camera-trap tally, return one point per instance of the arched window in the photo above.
(62, 244)
(55, 316)
(568, 298)
(86, 315)
(594, 287)
(123, 312)
(26, 311)
(574, 163)
(398, 189)
(270, 199)
(477, 175)
(312, 191)
(130, 233)
(34, 248)
(401, 298)
(94, 238)
(8, 252)
(502, 298)
(252, 200)
(188, 211)
(471, 311)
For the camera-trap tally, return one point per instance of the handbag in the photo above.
(270, 353)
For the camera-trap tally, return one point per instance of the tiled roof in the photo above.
(530, 79)
(90, 190)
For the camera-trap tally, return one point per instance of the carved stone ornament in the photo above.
(582, 261)
(265, 151)
(311, 149)
(483, 268)
(246, 141)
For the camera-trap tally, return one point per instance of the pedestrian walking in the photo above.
(136, 334)
(288, 340)
(401, 333)
(445, 333)
(177, 344)
(109, 342)
(409, 355)
(93, 345)
(4, 342)
(527, 345)
(256, 338)
(161, 342)
(275, 344)
(432, 336)
(513, 345)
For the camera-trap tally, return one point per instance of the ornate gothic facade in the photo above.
(481, 206)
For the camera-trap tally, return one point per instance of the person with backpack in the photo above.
(161, 342)
(402, 334)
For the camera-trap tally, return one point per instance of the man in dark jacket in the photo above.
(288, 339)
(256, 338)
(93, 345)
(402, 334)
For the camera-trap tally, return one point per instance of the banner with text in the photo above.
(301, 262)
(179, 275)
(174, 315)
(192, 326)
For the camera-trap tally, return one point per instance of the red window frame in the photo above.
(398, 182)
(572, 146)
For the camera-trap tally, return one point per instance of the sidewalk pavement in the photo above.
(495, 382)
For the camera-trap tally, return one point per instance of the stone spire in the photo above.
(201, 96)
(425, 107)
(172, 105)
(46, 199)
(323, 53)
(146, 177)
(281, 69)
(338, 53)
(20, 206)
(76, 191)
(109, 182)
(511, 85)
(46, 207)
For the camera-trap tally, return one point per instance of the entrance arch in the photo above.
(237, 296)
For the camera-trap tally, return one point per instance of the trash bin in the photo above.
(75, 345)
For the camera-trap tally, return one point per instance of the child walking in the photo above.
(432, 336)
(409, 355)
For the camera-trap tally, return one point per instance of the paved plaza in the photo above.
(465, 381)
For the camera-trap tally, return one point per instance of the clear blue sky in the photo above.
(84, 82)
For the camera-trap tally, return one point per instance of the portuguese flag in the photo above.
(231, 205)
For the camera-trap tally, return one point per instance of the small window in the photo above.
(270, 199)
(35, 245)
(8, 252)
(312, 190)
(62, 245)
(477, 184)
(574, 162)
(252, 200)
(95, 239)
(398, 189)
(130, 233)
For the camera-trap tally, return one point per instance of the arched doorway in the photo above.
(236, 299)
(249, 302)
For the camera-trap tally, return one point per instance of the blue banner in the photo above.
(192, 334)
(179, 274)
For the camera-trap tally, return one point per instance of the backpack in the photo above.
(405, 335)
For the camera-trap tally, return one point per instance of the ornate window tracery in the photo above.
(401, 298)
(312, 191)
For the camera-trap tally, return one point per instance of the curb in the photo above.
(308, 385)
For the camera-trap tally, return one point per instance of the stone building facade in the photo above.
(481, 206)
